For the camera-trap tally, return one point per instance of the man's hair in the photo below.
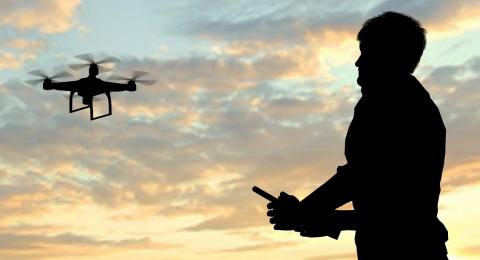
(397, 33)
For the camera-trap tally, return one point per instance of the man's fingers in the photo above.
(282, 212)
(308, 230)
(312, 234)
(305, 234)
(278, 220)
(270, 205)
(283, 227)
(273, 220)
(284, 196)
(299, 228)
(271, 213)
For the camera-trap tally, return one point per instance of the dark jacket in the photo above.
(395, 149)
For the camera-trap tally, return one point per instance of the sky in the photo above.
(247, 93)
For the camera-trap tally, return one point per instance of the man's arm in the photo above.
(334, 193)
(330, 224)
(317, 208)
(318, 215)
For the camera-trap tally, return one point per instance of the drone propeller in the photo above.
(43, 76)
(89, 59)
(135, 75)
(78, 66)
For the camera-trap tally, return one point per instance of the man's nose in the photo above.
(357, 63)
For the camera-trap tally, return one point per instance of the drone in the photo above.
(90, 87)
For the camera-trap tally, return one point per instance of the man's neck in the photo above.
(386, 84)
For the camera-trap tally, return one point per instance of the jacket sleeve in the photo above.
(334, 193)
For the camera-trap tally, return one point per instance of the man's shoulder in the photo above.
(423, 96)
(425, 107)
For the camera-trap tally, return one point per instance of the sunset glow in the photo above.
(247, 93)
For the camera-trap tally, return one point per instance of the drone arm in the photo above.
(115, 87)
(65, 86)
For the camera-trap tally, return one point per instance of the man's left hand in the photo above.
(285, 212)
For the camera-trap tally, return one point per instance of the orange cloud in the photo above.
(69, 245)
(462, 174)
(262, 246)
(19, 51)
(460, 19)
(19, 43)
(48, 16)
(14, 61)
(472, 250)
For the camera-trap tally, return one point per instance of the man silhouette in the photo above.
(395, 150)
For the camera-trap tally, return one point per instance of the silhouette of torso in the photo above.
(395, 148)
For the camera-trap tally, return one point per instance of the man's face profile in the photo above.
(374, 64)
(367, 64)
(391, 46)
(360, 64)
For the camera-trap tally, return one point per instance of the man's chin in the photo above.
(360, 81)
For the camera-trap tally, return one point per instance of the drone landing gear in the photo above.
(90, 105)
(71, 104)
(109, 108)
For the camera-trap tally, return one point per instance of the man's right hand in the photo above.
(285, 212)
(319, 229)
(330, 223)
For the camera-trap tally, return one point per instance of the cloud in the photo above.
(289, 23)
(14, 61)
(236, 138)
(63, 245)
(244, 132)
(27, 229)
(227, 73)
(203, 112)
(47, 16)
(326, 32)
(263, 246)
(460, 175)
(446, 76)
(472, 250)
(242, 217)
(27, 196)
(439, 17)
(346, 256)
(454, 87)
(160, 166)
(259, 109)
(22, 200)
(286, 22)
(18, 51)
(163, 166)
(22, 20)
(20, 43)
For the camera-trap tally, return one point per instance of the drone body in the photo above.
(91, 86)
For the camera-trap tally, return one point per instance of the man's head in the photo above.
(391, 45)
